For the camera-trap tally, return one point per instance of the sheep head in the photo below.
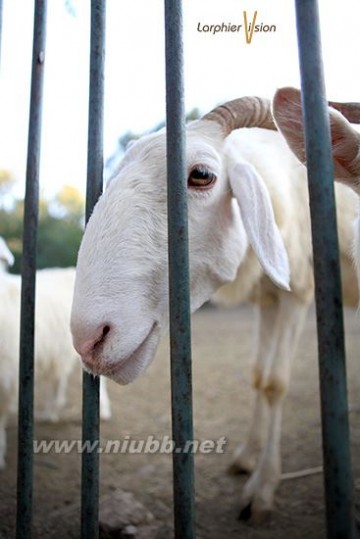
(344, 137)
(120, 306)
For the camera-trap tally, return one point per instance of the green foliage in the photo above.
(58, 242)
(59, 232)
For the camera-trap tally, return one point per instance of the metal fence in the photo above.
(338, 481)
(331, 347)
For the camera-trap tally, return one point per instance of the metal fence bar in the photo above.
(334, 406)
(90, 433)
(179, 289)
(28, 272)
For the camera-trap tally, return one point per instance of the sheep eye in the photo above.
(201, 178)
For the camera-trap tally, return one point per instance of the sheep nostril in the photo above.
(89, 347)
(106, 330)
(102, 337)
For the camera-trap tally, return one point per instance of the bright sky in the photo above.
(217, 68)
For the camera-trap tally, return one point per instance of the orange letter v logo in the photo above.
(249, 28)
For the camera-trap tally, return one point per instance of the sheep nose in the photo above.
(87, 346)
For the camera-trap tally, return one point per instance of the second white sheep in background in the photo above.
(248, 225)
(55, 357)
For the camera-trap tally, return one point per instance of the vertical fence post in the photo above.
(28, 273)
(334, 406)
(90, 459)
(179, 290)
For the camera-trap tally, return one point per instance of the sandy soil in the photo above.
(222, 407)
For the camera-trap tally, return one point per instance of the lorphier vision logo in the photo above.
(250, 26)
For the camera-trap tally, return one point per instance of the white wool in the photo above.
(122, 266)
(249, 228)
(55, 357)
(288, 190)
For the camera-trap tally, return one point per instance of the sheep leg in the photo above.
(257, 500)
(245, 456)
(60, 397)
(54, 397)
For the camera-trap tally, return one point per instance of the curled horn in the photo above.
(242, 112)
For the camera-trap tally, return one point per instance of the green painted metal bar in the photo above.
(179, 289)
(28, 273)
(91, 423)
(332, 363)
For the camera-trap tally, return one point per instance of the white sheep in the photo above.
(55, 356)
(248, 226)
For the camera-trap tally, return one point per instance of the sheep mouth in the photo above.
(125, 371)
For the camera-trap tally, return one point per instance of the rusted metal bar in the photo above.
(334, 406)
(91, 423)
(28, 273)
(179, 289)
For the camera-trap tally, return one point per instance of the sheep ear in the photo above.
(346, 149)
(345, 139)
(288, 117)
(259, 222)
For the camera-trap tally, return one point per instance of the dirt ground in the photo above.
(222, 407)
